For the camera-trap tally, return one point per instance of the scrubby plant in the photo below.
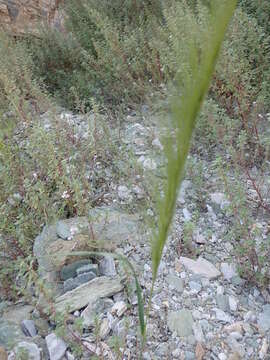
(200, 59)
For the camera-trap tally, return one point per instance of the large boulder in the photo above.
(22, 17)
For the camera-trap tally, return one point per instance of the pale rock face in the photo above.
(22, 17)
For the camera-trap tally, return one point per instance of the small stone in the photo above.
(28, 349)
(264, 318)
(219, 199)
(119, 308)
(199, 238)
(69, 356)
(234, 327)
(222, 302)
(228, 271)
(146, 356)
(182, 193)
(123, 192)
(264, 349)
(162, 350)
(88, 268)
(237, 281)
(201, 267)
(147, 268)
(233, 303)
(63, 231)
(236, 347)
(14, 199)
(104, 329)
(149, 164)
(56, 347)
(220, 290)
(138, 192)
(176, 353)
(181, 322)
(195, 286)
(29, 328)
(157, 143)
(187, 214)
(96, 309)
(107, 266)
(71, 284)
(250, 316)
(222, 316)
(70, 270)
(222, 356)
(236, 335)
(120, 328)
(198, 332)
(175, 282)
(234, 356)
(189, 355)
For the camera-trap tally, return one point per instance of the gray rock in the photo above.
(104, 329)
(107, 266)
(189, 355)
(123, 193)
(29, 328)
(27, 349)
(42, 326)
(181, 322)
(264, 318)
(198, 332)
(176, 282)
(222, 316)
(156, 142)
(162, 350)
(149, 164)
(94, 310)
(182, 193)
(199, 238)
(201, 267)
(219, 200)
(88, 268)
(18, 313)
(63, 230)
(14, 199)
(187, 214)
(88, 293)
(56, 347)
(233, 303)
(223, 302)
(10, 333)
(69, 356)
(70, 271)
(71, 284)
(119, 308)
(206, 326)
(195, 286)
(120, 328)
(228, 270)
(237, 281)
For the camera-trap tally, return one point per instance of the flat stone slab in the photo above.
(181, 322)
(88, 293)
(10, 333)
(200, 267)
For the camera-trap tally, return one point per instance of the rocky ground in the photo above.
(201, 308)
